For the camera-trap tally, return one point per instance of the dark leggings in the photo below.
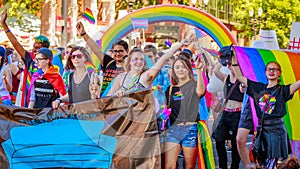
(227, 129)
(221, 150)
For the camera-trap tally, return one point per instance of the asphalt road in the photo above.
(210, 122)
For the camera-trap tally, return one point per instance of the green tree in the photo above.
(277, 15)
(16, 8)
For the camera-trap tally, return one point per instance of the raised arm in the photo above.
(237, 71)
(218, 73)
(154, 70)
(294, 87)
(18, 47)
(200, 82)
(90, 42)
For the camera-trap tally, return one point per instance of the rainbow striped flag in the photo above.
(205, 147)
(88, 15)
(90, 67)
(252, 62)
(96, 61)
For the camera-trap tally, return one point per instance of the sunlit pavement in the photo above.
(210, 122)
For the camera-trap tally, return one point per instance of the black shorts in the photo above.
(246, 120)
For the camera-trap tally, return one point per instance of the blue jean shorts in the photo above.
(185, 135)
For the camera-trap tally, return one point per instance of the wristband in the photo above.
(234, 64)
(7, 31)
(60, 101)
(84, 33)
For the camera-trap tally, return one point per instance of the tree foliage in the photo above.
(16, 8)
(277, 15)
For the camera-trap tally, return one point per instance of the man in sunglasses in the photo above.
(27, 57)
(111, 65)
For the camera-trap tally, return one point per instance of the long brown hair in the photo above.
(187, 64)
(83, 51)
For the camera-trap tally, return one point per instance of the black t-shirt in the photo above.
(236, 94)
(28, 61)
(45, 94)
(110, 70)
(277, 104)
(184, 103)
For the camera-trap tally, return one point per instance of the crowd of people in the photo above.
(183, 74)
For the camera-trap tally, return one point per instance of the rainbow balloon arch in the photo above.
(176, 13)
(220, 34)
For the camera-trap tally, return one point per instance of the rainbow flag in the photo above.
(205, 146)
(90, 67)
(88, 15)
(212, 52)
(252, 62)
(96, 62)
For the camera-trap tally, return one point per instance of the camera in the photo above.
(225, 55)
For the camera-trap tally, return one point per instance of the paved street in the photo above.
(210, 122)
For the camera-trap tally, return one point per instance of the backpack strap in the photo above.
(70, 87)
(169, 97)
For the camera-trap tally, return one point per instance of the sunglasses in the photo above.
(118, 51)
(79, 56)
(273, 69)
(39, 59)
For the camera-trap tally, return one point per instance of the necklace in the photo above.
(78, 80)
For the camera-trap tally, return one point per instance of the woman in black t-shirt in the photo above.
(183, 97)
(270, 101)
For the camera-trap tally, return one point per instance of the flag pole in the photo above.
(144, 38)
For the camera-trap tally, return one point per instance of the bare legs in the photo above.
(171, 152)
(241, 140)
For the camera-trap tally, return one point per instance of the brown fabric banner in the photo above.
(131, 119)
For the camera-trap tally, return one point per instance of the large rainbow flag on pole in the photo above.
(252, 62)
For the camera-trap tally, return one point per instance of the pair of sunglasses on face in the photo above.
(39, 59)
(79, 56)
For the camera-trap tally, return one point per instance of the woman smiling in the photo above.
(136, 76)
(81, 83)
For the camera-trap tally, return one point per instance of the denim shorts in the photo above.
(185, 135)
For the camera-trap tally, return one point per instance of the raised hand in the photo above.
(200, 63)
(94, 86)
(188, 40)
(3, 16)
(80, 28)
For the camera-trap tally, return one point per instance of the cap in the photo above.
(46, 52)
(2, 51)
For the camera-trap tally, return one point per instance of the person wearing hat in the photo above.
(46, 83)
(27, 57)
(228, 120)
(5, 81)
